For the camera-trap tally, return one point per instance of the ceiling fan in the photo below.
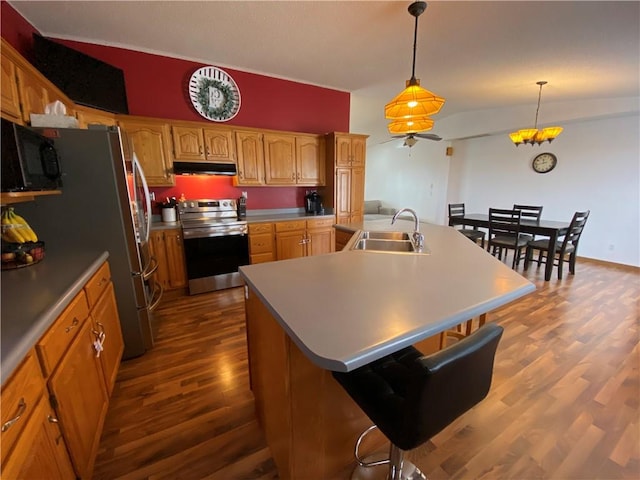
(410, 139)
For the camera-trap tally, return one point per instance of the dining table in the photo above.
(549, 228)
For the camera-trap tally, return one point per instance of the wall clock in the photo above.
(214, 94)
(544, 163)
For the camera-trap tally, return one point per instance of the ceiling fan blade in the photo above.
(429, 136)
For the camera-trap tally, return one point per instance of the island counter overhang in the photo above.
(344, 310)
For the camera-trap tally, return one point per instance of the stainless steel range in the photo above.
(216, 243)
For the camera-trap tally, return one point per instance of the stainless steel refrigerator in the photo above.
(105, 205)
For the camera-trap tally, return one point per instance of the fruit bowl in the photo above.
(18, 255)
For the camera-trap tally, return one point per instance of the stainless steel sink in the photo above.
(385, 235)
(384, 245)
(391, 242)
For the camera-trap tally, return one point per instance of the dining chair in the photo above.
(567, 246)
(504, 233)
(529, 212)
(457, 210)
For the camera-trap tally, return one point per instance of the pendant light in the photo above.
(411, 108)
(533, 135)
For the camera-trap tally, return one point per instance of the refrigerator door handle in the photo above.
(147, 197)
(155, 301)
(150, 269)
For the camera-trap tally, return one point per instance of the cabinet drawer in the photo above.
(19, 397)
(321, 222)
(291, 226)
(97, 284)
(260, 228)
(260, 243)
(55, 342)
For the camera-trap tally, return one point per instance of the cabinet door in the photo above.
(10, 105)
(250, 158)
(320, 241)
(343, 150)
(106, 322)
(358, 151)
(188, 143)
(343, 195)
(81, 400)
(176, 266)
(41, 451)
(310, 154)
(157, 250)
(33, 94)
(291, 244)
(92, 116)
(150, 140)
(357, 194)
(279, 159)
(219, 145)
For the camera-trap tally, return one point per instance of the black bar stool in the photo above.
(411, 397)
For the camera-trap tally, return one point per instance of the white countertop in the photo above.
(346, 309)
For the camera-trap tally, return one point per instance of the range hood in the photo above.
(204, 168)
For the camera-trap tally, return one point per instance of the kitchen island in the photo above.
(308, 316)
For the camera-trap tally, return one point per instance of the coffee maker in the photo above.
(313, 203)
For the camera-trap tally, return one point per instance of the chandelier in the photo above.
(533, 135)
(411, 108)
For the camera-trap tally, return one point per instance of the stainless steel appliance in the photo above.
(216, 243)
(105, 206)
(29, 160)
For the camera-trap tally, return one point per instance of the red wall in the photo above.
(157, 87)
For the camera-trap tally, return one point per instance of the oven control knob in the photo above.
(225, 204)
(192, 204)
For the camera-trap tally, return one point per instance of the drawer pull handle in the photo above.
(22, 407)
(102, 281)
(98, 344)
(73, 325)
(52, 419)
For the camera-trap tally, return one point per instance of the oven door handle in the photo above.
(191, 234)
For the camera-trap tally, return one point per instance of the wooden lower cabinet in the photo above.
(167, 247)
(55, 403)
(321, 236)
(32, 445)
(261, 243)
(302, 238)
(291, 239)
(41, 451)
(80, 399)
(342, 238)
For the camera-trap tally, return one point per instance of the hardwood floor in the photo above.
(564, 404)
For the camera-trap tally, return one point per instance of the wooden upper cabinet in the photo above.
(250, 150)
(310, 160)
(350, 150)
(9, 92)
(150, 139)
(294, 159)
(219, 145)
(279, 159)
(193, 143)
(92, 116)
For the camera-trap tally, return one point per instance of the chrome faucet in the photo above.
(418, 238)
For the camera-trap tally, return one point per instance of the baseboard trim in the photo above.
(621, 266)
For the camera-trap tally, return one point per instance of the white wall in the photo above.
(598, 169)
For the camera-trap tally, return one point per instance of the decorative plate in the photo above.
(214, 94)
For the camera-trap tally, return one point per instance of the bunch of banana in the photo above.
(15, 229)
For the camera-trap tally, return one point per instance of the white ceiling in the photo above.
(475, 54)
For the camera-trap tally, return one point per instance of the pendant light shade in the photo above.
(412, 124)
(533, 135)
(410, 109)
(413, 101)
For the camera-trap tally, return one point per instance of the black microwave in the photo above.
(29, 161)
